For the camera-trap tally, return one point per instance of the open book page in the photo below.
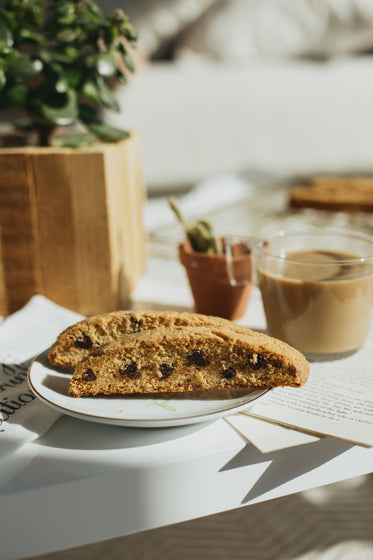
(266, 435)
(337, 400)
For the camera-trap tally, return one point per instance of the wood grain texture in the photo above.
(20, 257)
(71, 226)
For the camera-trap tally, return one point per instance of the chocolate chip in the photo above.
(130, 370)
(84, 342)
(197, 358)
(257, 363)
(277, 364)
(228, 372)
(166, 370)
(88, 375)
(135, 324)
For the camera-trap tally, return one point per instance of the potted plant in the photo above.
(71, 192)
(203, 255)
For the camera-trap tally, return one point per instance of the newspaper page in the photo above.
(337, 400)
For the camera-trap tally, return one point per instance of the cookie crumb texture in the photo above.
(85, 337)
(189, 359)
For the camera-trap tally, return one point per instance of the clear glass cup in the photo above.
(316, 287)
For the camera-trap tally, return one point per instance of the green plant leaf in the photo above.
(53, 82)
(60, 109)
(68, 55)
(65, 58)
(2, 79)
(90, 91)
(106, 96)
(111, 35)
(73, 78)
(106, 64)
(127, 58)
(122, 78)
(90, 61)
(107, 133)
(130, 33)
(83, 140)
(91, 12)
(27, 35)
(6, 38)
(65, 13)
(93, 9)
(69, 34)
(7, 18)
(67, 52)
(17, 94)
(61, 86)
(22, 65)
(36, 13)
(52, 68)
(88, 113)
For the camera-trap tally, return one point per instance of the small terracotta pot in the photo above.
(208, 278)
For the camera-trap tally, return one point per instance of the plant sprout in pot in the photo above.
(59, 64)
(202, 253)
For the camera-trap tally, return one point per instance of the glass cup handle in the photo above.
(252, 244)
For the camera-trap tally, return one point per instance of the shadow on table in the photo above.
(71, 433)
(285, 464)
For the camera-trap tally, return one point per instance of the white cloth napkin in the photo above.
(23, 336)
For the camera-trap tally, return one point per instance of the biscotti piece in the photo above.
(78, 341)
(349, 194)
(189, 359)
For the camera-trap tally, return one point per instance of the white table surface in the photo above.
(83, 482)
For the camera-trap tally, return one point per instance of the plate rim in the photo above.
(140, 422)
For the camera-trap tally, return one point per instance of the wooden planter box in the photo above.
(71, 226)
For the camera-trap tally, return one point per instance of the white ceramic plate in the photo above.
(50, 385)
